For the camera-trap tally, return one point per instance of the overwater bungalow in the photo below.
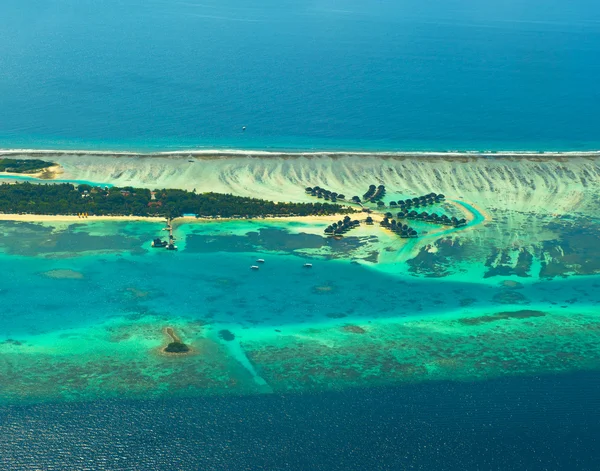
(370, 192)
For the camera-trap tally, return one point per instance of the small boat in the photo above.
(307, 265)
(159, 244)
(254, 267)
(260, 260)
(171, 247)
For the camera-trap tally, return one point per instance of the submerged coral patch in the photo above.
(226, 335)
(64, 274)
(499, 316)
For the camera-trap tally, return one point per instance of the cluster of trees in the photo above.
(23, 165)
(65, 199)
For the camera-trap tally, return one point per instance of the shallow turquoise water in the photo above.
(209, 279)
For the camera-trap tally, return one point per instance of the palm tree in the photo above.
(369, 220)
(308, 189)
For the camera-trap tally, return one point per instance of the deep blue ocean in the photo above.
(535, 423)
(319, 74)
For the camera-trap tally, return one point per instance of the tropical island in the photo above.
(68, 199)
(24, 165)
(175, 346)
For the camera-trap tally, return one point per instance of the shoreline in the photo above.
(210, 154)
(66, 218)
(158, 219)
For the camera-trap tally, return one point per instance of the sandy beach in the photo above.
(547, 183)
(50, 218)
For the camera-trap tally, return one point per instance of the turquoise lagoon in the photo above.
(84, 306)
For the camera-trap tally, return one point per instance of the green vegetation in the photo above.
(177, 347)
(65, 199)
(23, 165)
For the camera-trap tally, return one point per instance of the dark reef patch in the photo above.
(464, 302)
(353, 329)
(226, 335)
(335, 315)
(510, 297)
(499, 316)
(499, 263)
(270, 239)
(575, 249)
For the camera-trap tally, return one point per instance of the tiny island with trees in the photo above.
(69, 199)
(24, 165)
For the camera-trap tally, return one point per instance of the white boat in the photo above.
(260, 260)
(254, 267)
(307, 265)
